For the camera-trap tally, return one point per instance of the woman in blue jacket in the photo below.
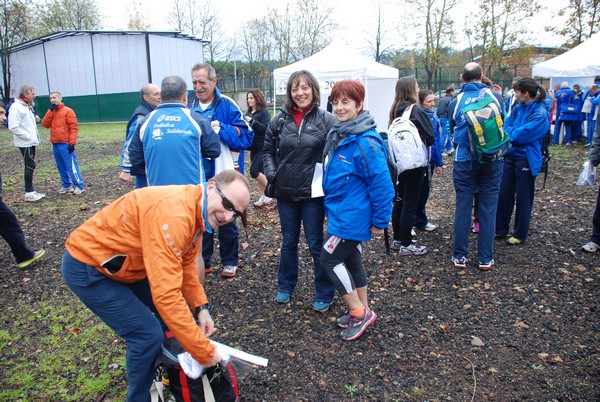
(526, 127)
(358, 201)
(409, 182)
(427, 102)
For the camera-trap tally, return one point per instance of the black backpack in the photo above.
(546, 156)
(217, 383)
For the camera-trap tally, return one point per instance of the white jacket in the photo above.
(21, 122)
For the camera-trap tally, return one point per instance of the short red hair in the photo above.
(349, 89)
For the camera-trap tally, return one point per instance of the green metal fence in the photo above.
(96, 108)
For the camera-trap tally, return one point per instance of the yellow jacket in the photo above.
(163, 226)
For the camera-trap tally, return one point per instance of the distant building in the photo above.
(100, 73)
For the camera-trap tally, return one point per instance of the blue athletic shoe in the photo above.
(321, 307)
(283, 297)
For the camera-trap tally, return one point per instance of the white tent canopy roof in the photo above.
(338, 60)
(581, 61)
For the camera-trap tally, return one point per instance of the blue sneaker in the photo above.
(321, 307)
(283, 297)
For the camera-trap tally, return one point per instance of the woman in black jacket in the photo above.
(258, 117)
(293, 153)
(410, 181)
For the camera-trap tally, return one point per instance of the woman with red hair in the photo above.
(358, 201)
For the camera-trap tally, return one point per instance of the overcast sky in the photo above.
(352, 15)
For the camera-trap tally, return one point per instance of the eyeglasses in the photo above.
(226, 203)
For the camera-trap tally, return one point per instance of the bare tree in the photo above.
(177, 17)
(582, 22)
(301, 30)
(138, 17)
(14, 18)
(202, 22)
(500, 25)
(439, 32)
(256, 47)
(279, 26)
(313, 27)
(59, 15)
(377, 46)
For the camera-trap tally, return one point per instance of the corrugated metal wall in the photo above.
(100, 75)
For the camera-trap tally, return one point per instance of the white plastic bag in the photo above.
(587, 106)
(587, 177)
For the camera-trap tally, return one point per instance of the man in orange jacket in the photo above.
(62, 122)
(133, 264)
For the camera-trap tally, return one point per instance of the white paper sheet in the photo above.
(316, 189)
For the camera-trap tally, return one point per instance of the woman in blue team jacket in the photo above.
(526, 127)
(427, 102)
(358, 201)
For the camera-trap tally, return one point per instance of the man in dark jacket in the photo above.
(150, 94)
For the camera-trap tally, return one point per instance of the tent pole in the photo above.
(366, 105)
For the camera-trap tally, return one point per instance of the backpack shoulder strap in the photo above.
(407, 112)
(278, 127)
(490, 93)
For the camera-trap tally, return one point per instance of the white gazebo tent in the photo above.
(577, 66)
(338, 62)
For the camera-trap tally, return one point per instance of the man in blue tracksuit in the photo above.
(593, 95)
(170, 143)
(470, 176)
(565, 102)
(512, 99)
(442, 113)
(150, 95)
(236, 135)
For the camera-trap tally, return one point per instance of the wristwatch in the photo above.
(200, 308)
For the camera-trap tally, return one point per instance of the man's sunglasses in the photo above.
(226, 203)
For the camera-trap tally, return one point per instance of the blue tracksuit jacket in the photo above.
(169, 145)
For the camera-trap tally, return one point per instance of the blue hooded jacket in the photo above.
(356, 180)
(526, 127)
(435, 150)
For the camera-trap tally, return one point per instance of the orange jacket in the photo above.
(162, 226)
(62, 123)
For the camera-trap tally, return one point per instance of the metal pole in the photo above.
(234, 76)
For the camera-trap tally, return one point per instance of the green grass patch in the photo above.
(52, 371)
(88, 134)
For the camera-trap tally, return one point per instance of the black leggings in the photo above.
(28, 159)
(256, 162)
(408, 191)
(342, 260)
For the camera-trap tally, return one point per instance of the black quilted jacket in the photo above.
(290, 152)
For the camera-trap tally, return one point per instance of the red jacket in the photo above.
(62, 123)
